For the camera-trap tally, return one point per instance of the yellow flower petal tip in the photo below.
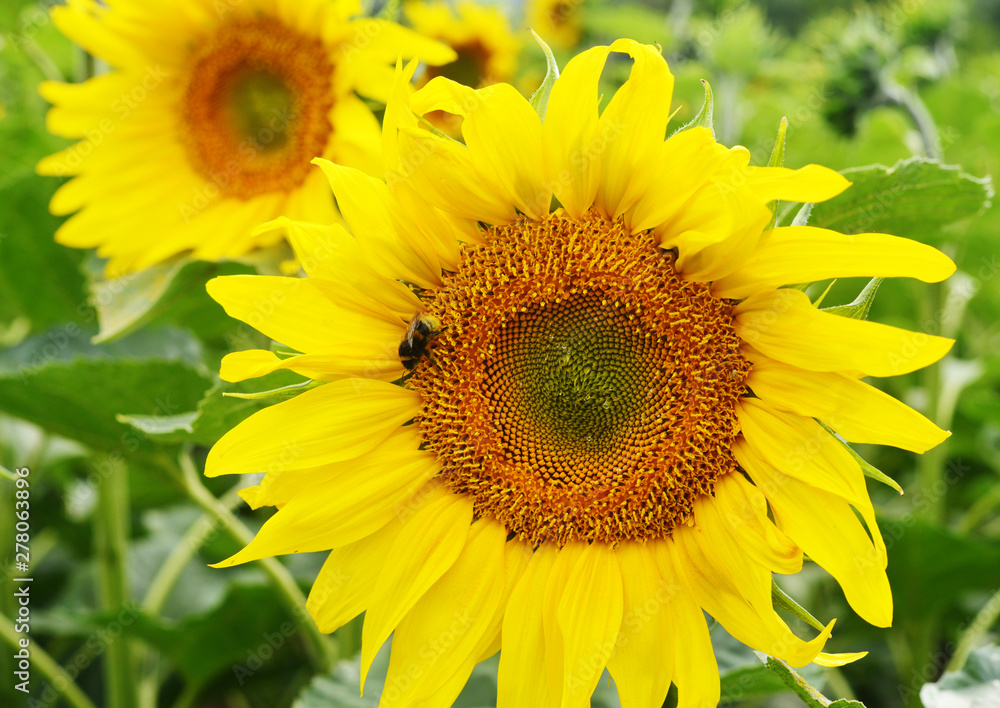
(834, 660)
(547, 420)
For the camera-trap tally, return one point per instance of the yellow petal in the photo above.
(588, 614)
(575, 142)
(802, 254)
(637, 118)
(800, 447)
(504, 137)
(696, 672)
(517, 555)
(684, 163)
(440, 635)
(345, 583)
(784, 325)
(387, 41)
(367, 205)
(447, 176)
(741, 509)
(737, 592)
(358, 498)
(428, 545)
(523, 678)
(826, 528)
(87, 30)
(297, 313)
(355, 142)
(842, 659)
(348, 360)
(643, 660)
(316, 427)
(812, 183)
(857, 411)
(328, 252)
(716, 233)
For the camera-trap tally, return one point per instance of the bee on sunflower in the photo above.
(627, 418)
(206, 124)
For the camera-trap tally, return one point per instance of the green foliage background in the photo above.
(109, 393)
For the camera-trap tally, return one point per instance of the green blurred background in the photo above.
(123, 525)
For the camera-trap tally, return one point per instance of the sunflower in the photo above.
(208, 120)
(556, 21)
(480, 35)
(482, 38)
(568, 431)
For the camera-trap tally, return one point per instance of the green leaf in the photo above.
(340, 689)
(858, 310)
(540, 98)
(748, 682)
(960, 565)
(216, 414)
(247, 632)
(809, 695)
(68, 386)
(740, 672)
(704, 117)
(133, 301)
(40, 280)
(977, 685)
(915, 198)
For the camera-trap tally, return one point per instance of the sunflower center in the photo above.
(469, 69)
(581, 389)
(257, 107)
(560, 12)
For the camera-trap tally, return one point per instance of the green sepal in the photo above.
(7, 474)
(786, 603)
(802, 215)
(809, 695)
(704, 117)
(540, 98)
(866, 467)
(778, 160)
(283, 392)
(858, 310)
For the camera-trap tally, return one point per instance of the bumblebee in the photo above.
(419, 335)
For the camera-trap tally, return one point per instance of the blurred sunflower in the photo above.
(572, 448)
(556, 21)
(481, 37)
(207, 123)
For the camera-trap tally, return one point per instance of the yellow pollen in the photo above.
(257, 107)
(581, 389)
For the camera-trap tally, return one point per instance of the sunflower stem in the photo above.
(910, 101)
(48, 667)
(321, 651)
(111, 540)
(985, 619)
(163, 582)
